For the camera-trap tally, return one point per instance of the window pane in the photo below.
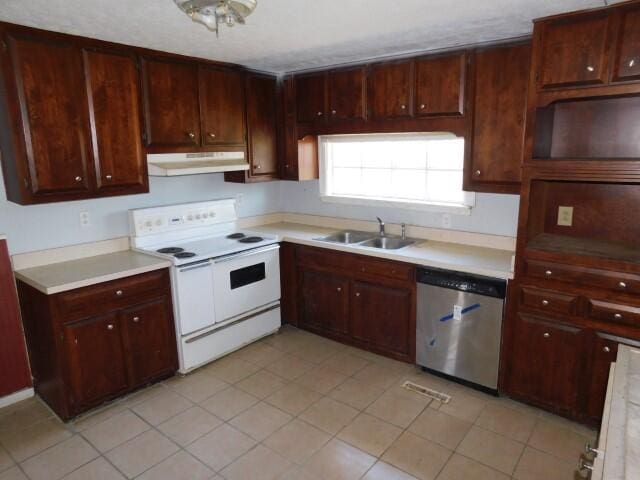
(377, 154)
(346, 181)
(409, 184)
(445, 186)
(345, 154)
(446, 154)
(375, 182)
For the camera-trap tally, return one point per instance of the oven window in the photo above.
(247, 275)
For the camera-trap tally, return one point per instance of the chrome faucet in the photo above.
(403, 235)
(381, 231)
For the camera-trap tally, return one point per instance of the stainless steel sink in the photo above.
(388, 243)
(348, 237)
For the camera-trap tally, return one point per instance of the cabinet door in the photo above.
(382, 316)
(347, 94)
(311, 97)
(95, 360)
(171, 103)
(261, 119)
(222, 106)
(627, 60)
(391, 89)
(501, 80)
(50, 82)
(604, 352)
(324, 302)
(546, 362)
(149, 341)
(574, 51)
(440, 85)
(113, 87)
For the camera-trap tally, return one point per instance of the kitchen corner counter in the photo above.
(69, 275)
(450, 256)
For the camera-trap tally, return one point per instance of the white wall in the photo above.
(38, 227)
(493, 214)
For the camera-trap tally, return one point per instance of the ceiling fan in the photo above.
(212, 13)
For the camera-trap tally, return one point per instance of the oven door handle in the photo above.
(194, 266)
(246, 253)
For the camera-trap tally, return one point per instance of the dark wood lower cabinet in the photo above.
(366, 302)
(92, 344)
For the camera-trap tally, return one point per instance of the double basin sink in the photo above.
(368, 239)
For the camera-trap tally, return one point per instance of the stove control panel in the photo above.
(149, 221)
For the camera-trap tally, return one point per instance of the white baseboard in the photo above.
(16, 397)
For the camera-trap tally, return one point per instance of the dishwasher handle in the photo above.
(463, 282)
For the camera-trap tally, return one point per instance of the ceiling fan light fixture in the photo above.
(211, 13)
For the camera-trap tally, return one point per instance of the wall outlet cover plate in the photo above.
(565, 216)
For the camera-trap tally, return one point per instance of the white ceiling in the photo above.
(289, 35)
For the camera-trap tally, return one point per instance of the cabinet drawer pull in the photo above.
(590, 68)
(319, 114)
(136, 319)
(548, 273)
(357, 294)
(605, 350)
(422, 106)
(78, 178)
(212, 135)
(191, 135)
(546, 334)
(339, 289)
(622, 285)
(333, 112)
(110, 326)
(545, 303)
(617, 316)
(108, 177)
(119, 293)
(477, 173)
(632, 62)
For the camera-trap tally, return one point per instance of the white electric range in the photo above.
(225, 281)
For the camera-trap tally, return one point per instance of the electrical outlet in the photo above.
(85, 219)
(565, 216)
(446, 220)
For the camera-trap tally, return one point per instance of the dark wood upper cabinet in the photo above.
(501, 77)
(172, 115)
(347, 94)
(440, 85)
(391, 89)
(49, 81)
(113, 90)
(261, 124)
(311, 97)
(95, 359)
(627, 56)
(222, 106)
(574, 51)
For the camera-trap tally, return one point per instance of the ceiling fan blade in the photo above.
(239, 18)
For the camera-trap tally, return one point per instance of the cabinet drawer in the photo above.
(354, 264)
(104, 297)
(589, 277)
(614, 312)
(548, 301)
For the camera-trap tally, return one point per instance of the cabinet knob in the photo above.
(333, 112)
(119, 293)
(590, 68)
(478, 173)
(606, 350)
(622, 285)
(191, 135)
(339, 289)
(286, 165)
(584, 465)
(258, 167)
(212, 135)
(403, 107)
(136, 319)
(548, 273)
(108, 177)
(617, 316)
(422, 106)
(357, 294)
(78, 178)
(110, 326)
(545, 303)
(588, 449)
(319, 114)
(546, 334)
(632, 62)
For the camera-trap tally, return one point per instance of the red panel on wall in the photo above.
(14, 367)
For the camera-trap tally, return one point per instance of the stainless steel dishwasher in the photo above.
(459, 325)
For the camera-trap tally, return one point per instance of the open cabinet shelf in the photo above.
(567, 245)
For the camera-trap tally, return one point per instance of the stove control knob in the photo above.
(197, 216)
(190, 217)
(205, 215)
(212, 214)
(158, 222)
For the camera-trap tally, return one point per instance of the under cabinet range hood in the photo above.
(175, 164)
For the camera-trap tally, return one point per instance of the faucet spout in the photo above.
(381, 228)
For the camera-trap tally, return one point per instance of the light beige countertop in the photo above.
(68, 275)
(462, 258)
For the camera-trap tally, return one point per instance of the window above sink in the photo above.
(413, 171)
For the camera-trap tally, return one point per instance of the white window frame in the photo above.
(458, 209)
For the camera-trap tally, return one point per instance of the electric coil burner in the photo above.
(251, 239)
(170, 250)
(235, 236)
(184, 255)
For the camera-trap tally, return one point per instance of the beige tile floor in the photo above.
(293, 406)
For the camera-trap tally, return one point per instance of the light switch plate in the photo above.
(565, 216)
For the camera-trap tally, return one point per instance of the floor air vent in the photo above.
(427, 392)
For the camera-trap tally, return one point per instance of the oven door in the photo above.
(193, 297)
(246, 281)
